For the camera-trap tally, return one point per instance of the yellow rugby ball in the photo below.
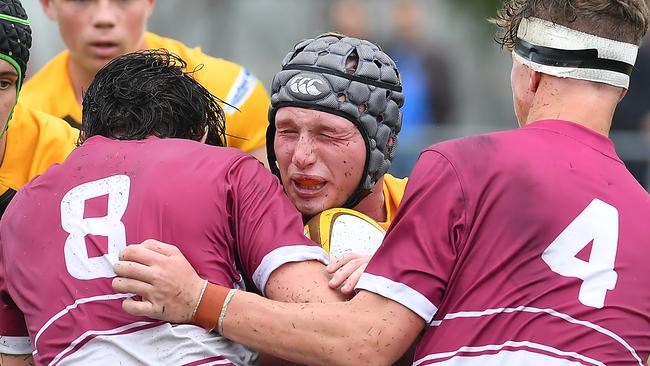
(340, 230)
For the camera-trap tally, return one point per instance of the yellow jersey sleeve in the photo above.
(50, 90)
(246, 125)
(393, 193)
(35, 141)
(247, 100)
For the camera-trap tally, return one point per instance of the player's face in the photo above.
(321, 157)
(8, 84)
(96, 31)
(522, 96)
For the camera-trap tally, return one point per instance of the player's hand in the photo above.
(159, 273)
(347, 270)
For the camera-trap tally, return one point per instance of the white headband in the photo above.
(594, 58)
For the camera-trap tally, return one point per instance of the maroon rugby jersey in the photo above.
(63, 231)
(526, 247)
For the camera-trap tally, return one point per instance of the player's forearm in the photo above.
(16, 360)
(313, 334)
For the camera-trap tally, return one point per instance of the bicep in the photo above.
(305, 281)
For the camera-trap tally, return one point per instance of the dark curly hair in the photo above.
(149, 93)
(620, 20)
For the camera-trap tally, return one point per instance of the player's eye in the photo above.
(287, 131)
(6, 84)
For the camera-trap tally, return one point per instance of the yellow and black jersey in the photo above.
(393, 193)
(50, 90)
(35, 141)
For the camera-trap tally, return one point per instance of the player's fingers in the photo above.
(139, 308)
(160, 247)
(343, 273)
(135, 271)
(141, 254)
(127, 285)
(337, 263)
(351, 282)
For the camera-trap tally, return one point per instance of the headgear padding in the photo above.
(15, 36)
(314, 76)
(15, 41)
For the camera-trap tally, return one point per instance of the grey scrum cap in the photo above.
(314, 76)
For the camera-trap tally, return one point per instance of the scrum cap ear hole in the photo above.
(352, 62)
(362, 107)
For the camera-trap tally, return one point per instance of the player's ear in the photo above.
(151, 4)
(534, 78)
(205, 136)
(49, 9)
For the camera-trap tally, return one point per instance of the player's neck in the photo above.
(374, 204)
(80, 77)
(586, 103)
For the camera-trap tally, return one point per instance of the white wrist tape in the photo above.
(224, 309)
(196, 307)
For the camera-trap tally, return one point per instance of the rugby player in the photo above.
(140, 173)
(30, 141)
(333, 130)
(334, 121)
(514, 248)
(95, 31)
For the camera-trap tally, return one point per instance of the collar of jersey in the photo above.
(103, 139)
(579, 133)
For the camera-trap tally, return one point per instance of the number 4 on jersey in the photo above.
(598, 223)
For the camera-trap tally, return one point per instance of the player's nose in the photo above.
(304, 153)
(104, 14)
